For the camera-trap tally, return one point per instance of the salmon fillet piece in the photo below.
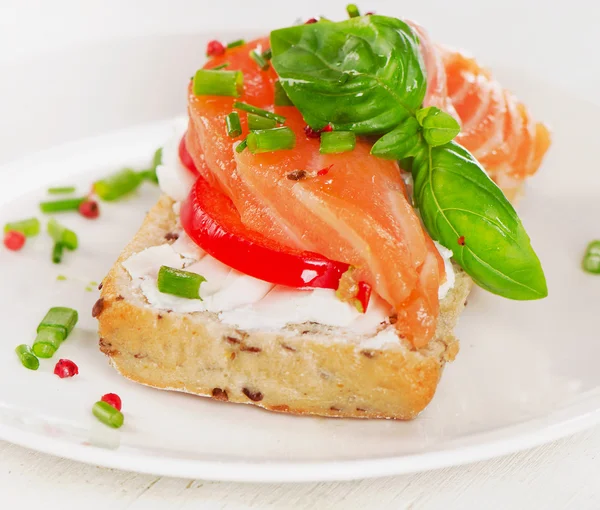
(358, 212)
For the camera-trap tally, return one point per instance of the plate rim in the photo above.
(538, 430)
(305, 471)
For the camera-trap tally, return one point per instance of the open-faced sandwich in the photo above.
(326, 207)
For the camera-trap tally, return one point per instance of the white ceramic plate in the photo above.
(526, 373)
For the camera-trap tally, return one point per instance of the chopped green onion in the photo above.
(69, 204)
(258, 122)
(108, 415)
(235, 44)
(61, 277)
(217, 68)
(591, 259)
(593, 248)
(267, 54)
(157, 158)
(62, 235)
(259, 59)
(179, 283)
(61, 318)
(218, 83)
(258, 111)
(241, 146)
(352, 10)
(47, 342)
(27, 358)
(234, 128)
(29, 227)
(281, 97)
(118, 184)
(591, 264)
(57, 252)
(269, 140)
(89, 289)
(61, 190)
(335, 142)
(150, 174)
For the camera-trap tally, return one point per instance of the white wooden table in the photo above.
(562, 42)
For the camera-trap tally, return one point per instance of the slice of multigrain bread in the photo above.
(303, 369)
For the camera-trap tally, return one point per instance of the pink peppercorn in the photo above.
(113, 399)
(89, 209)
(310, 132)
(214, 49)
(14, 240)
(66, 368)
(316, 133)
(324, 171)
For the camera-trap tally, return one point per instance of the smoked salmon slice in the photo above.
(496, 128)
(357, 212)
(435, 70)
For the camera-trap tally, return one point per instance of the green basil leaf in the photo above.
(423, 112)
(466, 212)
(385, 80)
(439, 127)
(399, 143)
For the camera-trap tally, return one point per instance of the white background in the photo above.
(555, 41)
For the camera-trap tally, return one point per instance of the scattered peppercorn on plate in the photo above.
(221, 315)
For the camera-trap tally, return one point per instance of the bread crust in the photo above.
(303, 369)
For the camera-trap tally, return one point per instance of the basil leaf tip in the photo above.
(439, 127)
(399, 143)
